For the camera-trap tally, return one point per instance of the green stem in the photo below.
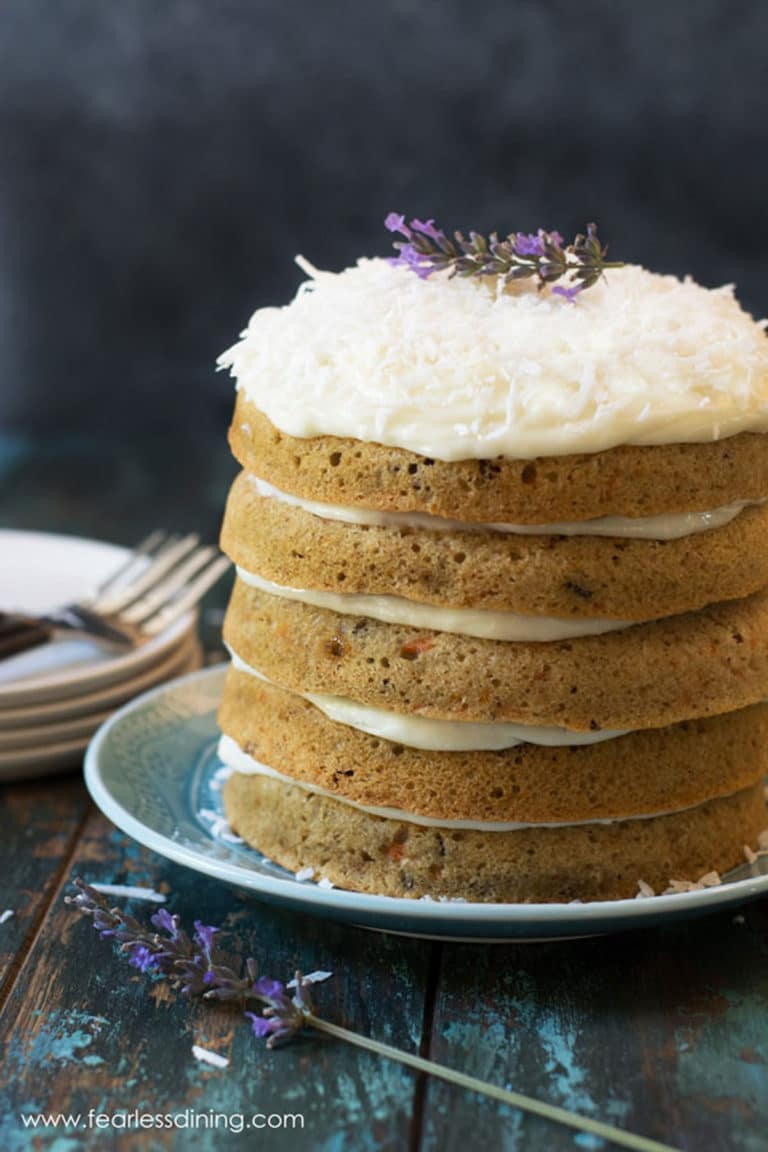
(514, 1099)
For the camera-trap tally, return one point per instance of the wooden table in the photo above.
(663, 1032)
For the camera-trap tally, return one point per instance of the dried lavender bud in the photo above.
(427, 249)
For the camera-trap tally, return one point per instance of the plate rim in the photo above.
(82, 704)
(615, 912)
(19, 766)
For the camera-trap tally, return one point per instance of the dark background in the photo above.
(162, 162)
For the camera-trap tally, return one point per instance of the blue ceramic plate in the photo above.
(152, 769)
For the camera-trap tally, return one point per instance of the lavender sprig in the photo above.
(518, 256)
(195, 967)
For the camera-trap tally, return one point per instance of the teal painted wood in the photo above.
(663, 1032)
(39, 828)
(82, 1029)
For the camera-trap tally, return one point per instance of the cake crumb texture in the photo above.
(299, 829)
(562, 576)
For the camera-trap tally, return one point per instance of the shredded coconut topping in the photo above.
(456, 369)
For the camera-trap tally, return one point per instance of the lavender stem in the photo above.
(514, 1099)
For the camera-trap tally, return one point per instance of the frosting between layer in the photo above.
(465, 368)
(483, 623)
(668, 526)
(231, 754)
(436, 735)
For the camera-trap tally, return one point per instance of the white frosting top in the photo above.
(466, 368)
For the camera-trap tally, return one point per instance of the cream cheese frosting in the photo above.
(485, 623)
(231, 754)
(436, 735)
(667, 526)
(464, 368)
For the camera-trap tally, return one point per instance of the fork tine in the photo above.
(193, 593)
(162, 592)
(167, 557)
(147, 545)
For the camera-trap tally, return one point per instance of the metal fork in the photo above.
(162, 578)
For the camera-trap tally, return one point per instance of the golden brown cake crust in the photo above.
(648, 676)
(299, 829)
(624, 481)
(659, 770)
(559, 576)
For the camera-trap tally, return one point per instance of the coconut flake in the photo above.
(131, 891)
(219, 826)
(212, 1058)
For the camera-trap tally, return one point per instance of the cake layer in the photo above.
(580, 577)
(301, 829)
(623, 481)
(648, 676)
(660, 770)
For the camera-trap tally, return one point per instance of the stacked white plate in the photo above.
(54, 697)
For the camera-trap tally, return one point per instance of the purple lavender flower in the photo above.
(569, 293)
(104, 923)
(203, 937)
(275, 1028)
(141, 957)
(427, 228)
(283, 1017)
(272, 990)
(528, 244)
(410, 258)
(166, 923)
(261, 1025)
(396, 223)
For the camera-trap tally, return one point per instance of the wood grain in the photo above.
(82, 1029)
(661, 1032)
(40, 824)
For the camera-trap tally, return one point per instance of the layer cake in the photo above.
(500, 624)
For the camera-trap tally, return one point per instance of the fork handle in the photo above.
(79, 618)
(18, 633)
